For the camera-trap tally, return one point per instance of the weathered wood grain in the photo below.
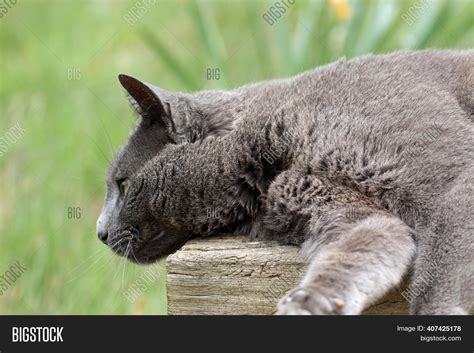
(233, 276)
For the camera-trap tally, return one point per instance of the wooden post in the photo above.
(233, 276)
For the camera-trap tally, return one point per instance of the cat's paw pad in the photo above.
(309, 301)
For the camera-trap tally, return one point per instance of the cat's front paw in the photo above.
(310, 301)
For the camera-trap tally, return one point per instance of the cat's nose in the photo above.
(103, 235)
(101, 228)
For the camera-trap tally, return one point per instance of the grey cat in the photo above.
(366, 164)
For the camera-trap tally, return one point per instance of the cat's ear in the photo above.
(147, 104)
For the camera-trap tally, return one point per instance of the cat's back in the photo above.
(363, 81)
(384, 76)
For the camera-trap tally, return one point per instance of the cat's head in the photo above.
(126, 223)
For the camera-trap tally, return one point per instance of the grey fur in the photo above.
(367, 164)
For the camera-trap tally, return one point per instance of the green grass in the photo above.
(73, 126)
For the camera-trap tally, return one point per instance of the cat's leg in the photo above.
(354, 269)
(443, 279)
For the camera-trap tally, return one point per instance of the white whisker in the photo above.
(127, 251)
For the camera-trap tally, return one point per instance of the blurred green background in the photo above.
(58, 81)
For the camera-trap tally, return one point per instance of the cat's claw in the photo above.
(309, 301)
